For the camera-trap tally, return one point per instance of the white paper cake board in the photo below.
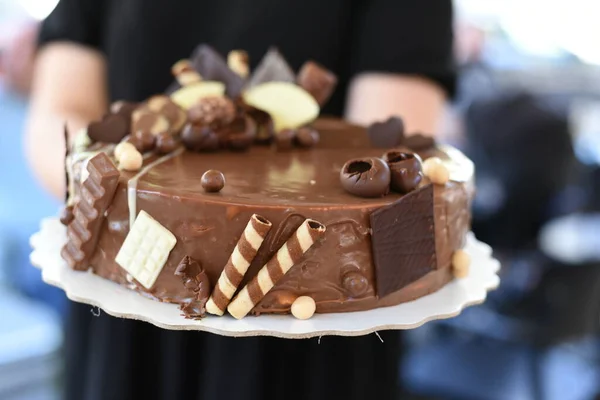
(121, 302)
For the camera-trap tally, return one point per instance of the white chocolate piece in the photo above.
(146, 249)
(289, 105)
(461, 263)
(122, 148)
(303, 307)
(237, 60)
(131, 160)
(436, 171)
(187, 96)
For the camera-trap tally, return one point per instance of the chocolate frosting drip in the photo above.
(338, 272)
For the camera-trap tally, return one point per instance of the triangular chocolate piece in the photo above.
(213, 67)
(386, 134)
(403, 240)
(272, 68)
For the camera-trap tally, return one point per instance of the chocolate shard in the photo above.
(196, 281)
(403, 240)
(213, 67)
(317, 80)
(112, 129)
(97, 193)
(386, 134)
(272, 68)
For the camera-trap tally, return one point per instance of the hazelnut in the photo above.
(436, 171)
(461, 262)
(125, 145)
(131, 160)
(366, 177)
(303, 307)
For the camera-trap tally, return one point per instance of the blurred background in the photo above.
(527, 113)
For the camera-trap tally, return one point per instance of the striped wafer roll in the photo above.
(239, 261)
(286, 257)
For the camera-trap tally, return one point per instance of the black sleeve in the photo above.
(405, 36)
(78, 21)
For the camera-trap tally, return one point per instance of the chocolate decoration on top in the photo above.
(387, 134)
(239, 134)
(111, 129)
(419, 142)
(265, 130)
(317, 80)
(144, 119)
(307, 137)
(66, 215)
(213, 181)
(166, 143)
(97, 193)
(213, 111)
(213, 67)
(284, 140)
(196, 281)
(403, 240)
(366, 177)
(272, 68)
(143, 140)
(406, 169)
(199, 138)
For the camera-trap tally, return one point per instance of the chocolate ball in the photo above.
(406, 169)
(307, 137)
(199, 138)
(144, 139)
(66, 215)
(366, 177)
(166, 143)
(284, 140)
(212, 181)
(355, 283)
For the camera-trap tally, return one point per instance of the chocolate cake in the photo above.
(230, 195)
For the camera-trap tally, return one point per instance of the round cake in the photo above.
(313, 215)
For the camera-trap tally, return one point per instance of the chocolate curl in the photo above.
(285, 258)
(239, 261)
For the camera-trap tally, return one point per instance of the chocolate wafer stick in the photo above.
(239, 261)
(285, 258)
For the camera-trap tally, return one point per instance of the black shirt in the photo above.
(111, 358)
(142, 39)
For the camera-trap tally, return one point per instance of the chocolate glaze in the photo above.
(285, 188)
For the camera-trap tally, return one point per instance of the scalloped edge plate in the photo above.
(121, 302)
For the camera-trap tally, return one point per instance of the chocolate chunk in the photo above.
(355, 283)
(386, 134)
(403, 241)
(83, 232)
(366, 177)
(418, 142)
(166, 143)
(272, 68)
(66, 215)
(111, 129)
(212, 181)
(284, 140)
(307, 137)
(196, 281)
(317, 80)
(406, 169)
(199, 138)
(213, 67)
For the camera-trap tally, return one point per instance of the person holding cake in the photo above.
(390, 57)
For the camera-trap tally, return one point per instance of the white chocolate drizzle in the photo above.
(132, 183)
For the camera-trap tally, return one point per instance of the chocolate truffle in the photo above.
(199, 138)
(307, 137)
(366, 177)
(144, 139)
(405, 168)
(166, 143)
(212, 181)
